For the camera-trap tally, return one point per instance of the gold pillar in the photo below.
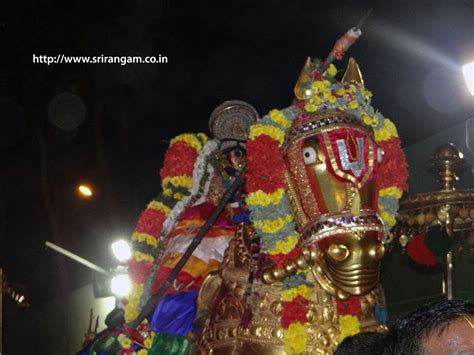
(447, 159)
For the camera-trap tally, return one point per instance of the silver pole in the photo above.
(449, 275)
(77, 258)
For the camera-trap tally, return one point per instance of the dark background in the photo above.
(114, 131)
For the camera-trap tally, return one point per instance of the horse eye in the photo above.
(309, 155)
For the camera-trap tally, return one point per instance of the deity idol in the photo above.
(291, 262)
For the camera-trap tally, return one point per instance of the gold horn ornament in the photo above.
(303, 79)
(352, 72)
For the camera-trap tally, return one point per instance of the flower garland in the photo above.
(136, 342)
(348, 325)
(153, 227)
(348, 311)
(265, 176)
(128, 347)
(392, 175)
(272, 218)
(269, 205)
(148, 237)
(202, 175)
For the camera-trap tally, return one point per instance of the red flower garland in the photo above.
(294, 311)
(139, 270)
(151, 222)
(279, 259)
(179, 160)
(265, 165)
(393, 170)
(349, 306)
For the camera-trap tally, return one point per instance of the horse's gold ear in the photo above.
(303, 78)
(353, 73)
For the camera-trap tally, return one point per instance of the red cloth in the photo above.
(419, 252)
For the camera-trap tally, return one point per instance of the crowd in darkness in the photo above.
(445, 327)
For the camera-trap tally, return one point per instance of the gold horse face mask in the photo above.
(332, 184)
(352, 261)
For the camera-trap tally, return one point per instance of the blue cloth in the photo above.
(381, 314)
(175, 313)
(241, 217)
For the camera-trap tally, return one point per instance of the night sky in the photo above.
(109, 125)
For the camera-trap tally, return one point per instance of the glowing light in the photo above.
(108, 304)
(21, 299)
(121, 285)
(468, 72)
(85, 190)
(121, 250)
(17, 297)
(410, 43)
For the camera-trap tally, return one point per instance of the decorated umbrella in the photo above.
(430, 223)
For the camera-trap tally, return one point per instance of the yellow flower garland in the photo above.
(387, 217)
(179, 181)
(302, 290)
(296, 338)
(261, 198)
(387, 132)
(271, 131)
(124, 341)
(156, 205)
(332, 70)
(149, 342)
(145, 238)
(391, 191)
(348, 325)
(190, 139)
(273, 225)
(279, 117)
(285, 246)
(139, 256)
(133, 300)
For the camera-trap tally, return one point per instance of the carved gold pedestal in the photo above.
(223, 334)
